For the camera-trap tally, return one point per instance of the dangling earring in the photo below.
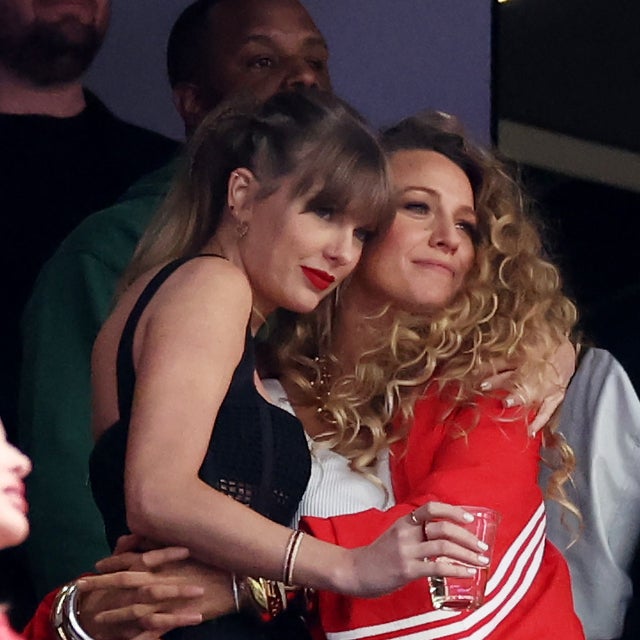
(242, 228)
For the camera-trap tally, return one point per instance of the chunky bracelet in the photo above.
(64, 615)
(266, 599)
(290, 555)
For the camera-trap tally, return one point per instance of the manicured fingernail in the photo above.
(485, 386)
(483, 545)
(468, 517)
(483, 560)
(471, 571)
(509, 402)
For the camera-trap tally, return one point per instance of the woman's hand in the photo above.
(546, 392)
(142, 596)
(427, 542)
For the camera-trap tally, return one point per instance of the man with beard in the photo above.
(63, 154)
(216, 48)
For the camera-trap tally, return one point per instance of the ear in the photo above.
(241, 191)
(188, 102)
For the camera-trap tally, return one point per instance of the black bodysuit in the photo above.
(257, 454)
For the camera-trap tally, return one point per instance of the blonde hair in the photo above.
(311, 135)
(511, 306)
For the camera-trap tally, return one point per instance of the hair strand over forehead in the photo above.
(313, 137)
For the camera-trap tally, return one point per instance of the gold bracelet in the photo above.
(290, 555)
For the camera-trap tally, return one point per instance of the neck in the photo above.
(357, 325)
(18, 96)
(225, 243)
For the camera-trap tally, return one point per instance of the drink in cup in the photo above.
(452, 593)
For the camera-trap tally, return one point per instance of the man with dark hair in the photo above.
(217, 47)
(64, 155)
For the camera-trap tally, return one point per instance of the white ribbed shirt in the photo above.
(334, 489)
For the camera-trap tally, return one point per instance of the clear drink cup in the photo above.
(458, 594)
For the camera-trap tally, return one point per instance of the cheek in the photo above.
(468, 261)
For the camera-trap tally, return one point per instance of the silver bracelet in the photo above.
(236, 595)
(64, 615)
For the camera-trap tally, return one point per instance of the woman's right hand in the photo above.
(142, 596)
(426, 542)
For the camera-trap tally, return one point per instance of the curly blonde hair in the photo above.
(511, 307)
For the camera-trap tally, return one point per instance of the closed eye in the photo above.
(363, 235)
(324, 212)
(470, 228)
(420, 208)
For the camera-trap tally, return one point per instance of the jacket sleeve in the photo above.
(39, 627)
(478, 456)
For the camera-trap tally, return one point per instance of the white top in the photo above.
(334, 489)
(600, 419)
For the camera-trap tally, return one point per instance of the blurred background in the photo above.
(566, 106)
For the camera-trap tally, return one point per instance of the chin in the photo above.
(13, 533)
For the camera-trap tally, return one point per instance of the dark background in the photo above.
(570, 69)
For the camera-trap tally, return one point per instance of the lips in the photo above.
(319, 279)
(17, 496)
(435, 265)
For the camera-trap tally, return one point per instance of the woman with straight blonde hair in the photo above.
(271, 210)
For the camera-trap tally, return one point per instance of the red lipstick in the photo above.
(318, 278)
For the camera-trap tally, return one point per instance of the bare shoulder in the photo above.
(207, 282)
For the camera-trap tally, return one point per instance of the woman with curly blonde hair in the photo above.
(458, 283)
(455, 288)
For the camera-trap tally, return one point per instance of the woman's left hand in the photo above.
(132, 601)
(544, 392)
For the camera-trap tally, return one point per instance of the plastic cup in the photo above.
(458, 594)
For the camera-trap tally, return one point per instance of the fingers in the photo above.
(547, 409)
(158, 624)
(148, 561)
(121, 562)
(441, 567)
(147, 616)
(444, 538)
(440, 510)
(157, 557)
(469, 554)
(166, 621)
(150, 586)
(498, 380)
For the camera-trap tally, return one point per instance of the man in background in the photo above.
(63, 155)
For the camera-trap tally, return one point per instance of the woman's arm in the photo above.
(491, 463)
(545, 392)
(185, 358)
(140, 595)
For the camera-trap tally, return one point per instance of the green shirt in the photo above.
(72, 298)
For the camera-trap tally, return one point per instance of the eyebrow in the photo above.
(436, 194)
(309, 41)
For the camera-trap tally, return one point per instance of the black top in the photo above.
(257, 454)
(53, 173)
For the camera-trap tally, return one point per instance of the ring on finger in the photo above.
(414, 520)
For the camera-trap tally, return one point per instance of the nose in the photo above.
(299, 74)
(20, 464)
(444, 235)
(344, 248)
